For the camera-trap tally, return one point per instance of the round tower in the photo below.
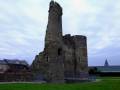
(53, 44)
(54, 26)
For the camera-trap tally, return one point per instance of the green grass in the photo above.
(106, 84)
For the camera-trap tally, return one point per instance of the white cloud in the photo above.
(23, 24)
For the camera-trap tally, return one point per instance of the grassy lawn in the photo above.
(105, 84)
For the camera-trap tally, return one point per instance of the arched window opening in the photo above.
(59, 51)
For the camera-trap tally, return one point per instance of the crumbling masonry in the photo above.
(64, 57)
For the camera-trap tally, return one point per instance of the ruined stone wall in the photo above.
(75, 57)
(81, 53)
(68, 55)
(63, 56)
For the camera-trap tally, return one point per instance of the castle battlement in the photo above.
(55, 7)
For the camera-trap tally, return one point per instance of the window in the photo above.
(59, 51)
(47, 58)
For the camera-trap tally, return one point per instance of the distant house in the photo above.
(3, 66)
(106, 70)
(14, 70)
(12, 65)
(112, 69)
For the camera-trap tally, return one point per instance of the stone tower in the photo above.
(53, 43)
(64, 57)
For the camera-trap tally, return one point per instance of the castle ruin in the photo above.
(64, 57)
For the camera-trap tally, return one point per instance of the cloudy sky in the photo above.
(23, 25)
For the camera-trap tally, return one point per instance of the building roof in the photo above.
(2, 62)
(108, 68)
(7, 61)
